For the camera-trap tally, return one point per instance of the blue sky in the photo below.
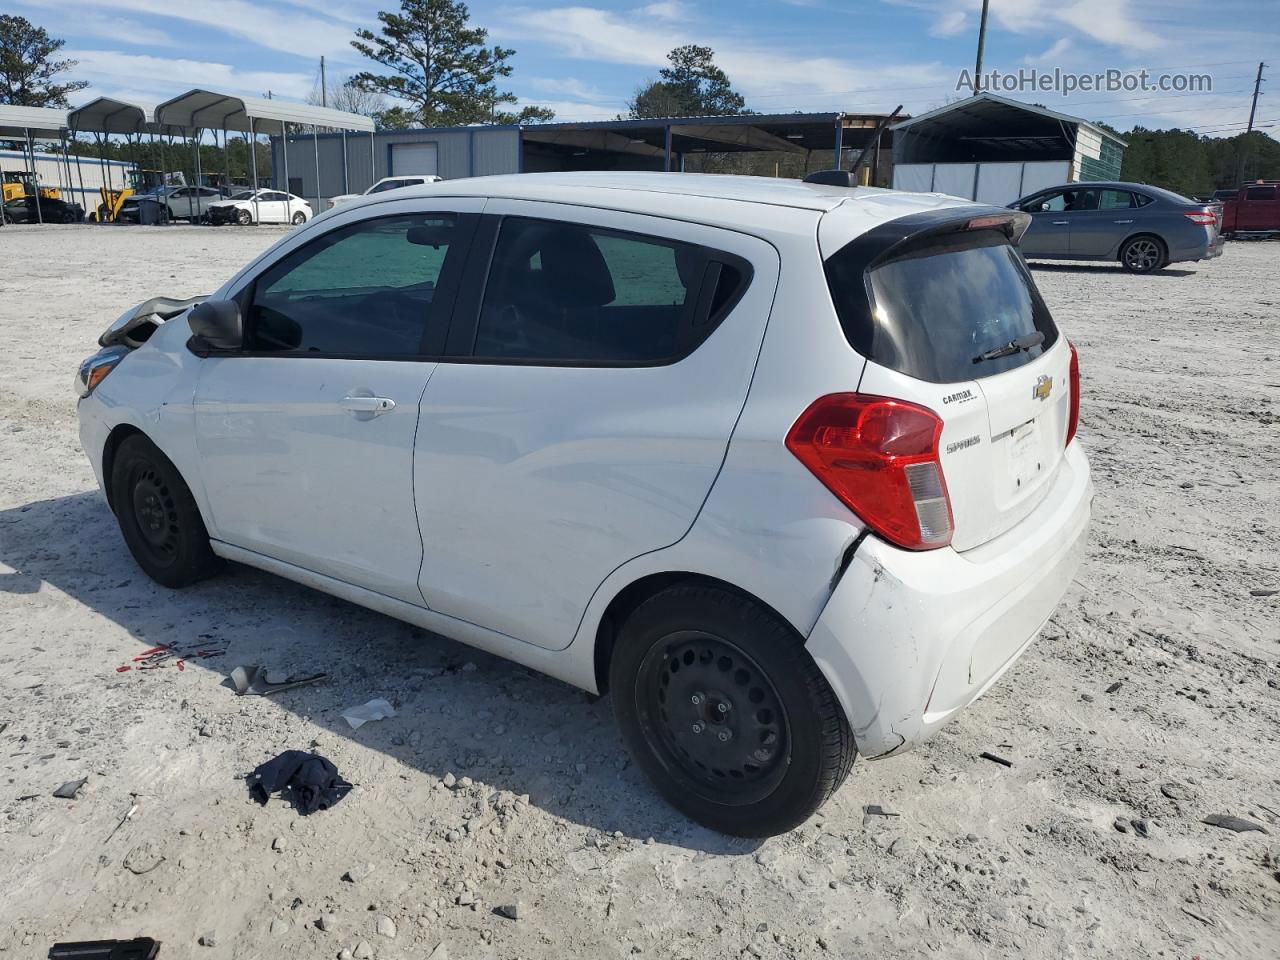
(584, 60)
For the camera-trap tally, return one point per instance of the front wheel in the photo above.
(244, 218)
(299, 218)
(726, 712)
(1142, 255)
(158, 516)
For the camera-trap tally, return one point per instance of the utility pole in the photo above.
(982, 40)
(323, 92)
(1253, 112)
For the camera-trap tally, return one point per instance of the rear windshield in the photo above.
(933, 310)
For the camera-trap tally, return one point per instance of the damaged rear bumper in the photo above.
(908, 639)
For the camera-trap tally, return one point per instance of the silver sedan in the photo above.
(1145, 228)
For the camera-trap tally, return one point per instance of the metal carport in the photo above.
(25, 123)
(205, 109)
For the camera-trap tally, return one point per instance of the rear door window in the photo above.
(561, 292)
(1115, 200)
(937, 306)
(367, 290)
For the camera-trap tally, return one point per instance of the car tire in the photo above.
(1143, 254)
(299, 218)
(244, 218)
(158, 516)
(725, 711)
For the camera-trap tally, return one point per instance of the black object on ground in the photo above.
(994, 759)
(307, 780)
(252, 681)
(69, 789)
(141, 948)
(1228, 822)
(1114, 687)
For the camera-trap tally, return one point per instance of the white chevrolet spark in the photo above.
(788, 468)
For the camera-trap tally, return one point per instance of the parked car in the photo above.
(261, 206)
(182, 203)
(1254, 213)
(1145, 228)
(23, 210)
(790, 469)
(385, 184)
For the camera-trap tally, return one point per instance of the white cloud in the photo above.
(571, 87)
(163, 77)
(772, 79)
(1053, 55)
(665, 10)
(949, 23)
(288, 31)
(574, 110)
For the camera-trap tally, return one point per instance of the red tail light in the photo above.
(1204, 219)
(1073, 417)
(880, 458)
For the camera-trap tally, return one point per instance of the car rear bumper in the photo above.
(908, 639)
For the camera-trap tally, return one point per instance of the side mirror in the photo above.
(218, 324)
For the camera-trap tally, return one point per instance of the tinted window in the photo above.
(930, 311)
(1115, 200)
(566, 292)
(1260, 193)
(363, 291)
(388, 185)
(1141, 199)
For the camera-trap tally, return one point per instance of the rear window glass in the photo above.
(931, 311)
(1260, 193)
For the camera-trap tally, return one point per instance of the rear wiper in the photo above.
(1024, 342)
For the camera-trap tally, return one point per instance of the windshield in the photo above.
(932, 311)
(242, 195)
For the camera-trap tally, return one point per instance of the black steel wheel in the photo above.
(158, 517)
(1142, 254)
(708, 709)
(726, 712)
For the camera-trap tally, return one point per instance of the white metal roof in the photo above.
(211, 110)
(38, 121)
(107, 115)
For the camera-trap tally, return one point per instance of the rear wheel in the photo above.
(299, 217)
(1142, 254)
(727, 713)
(158, 516)
(244, 218)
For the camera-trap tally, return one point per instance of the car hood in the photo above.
(151, 312)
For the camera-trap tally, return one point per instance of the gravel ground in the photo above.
(1149, 704)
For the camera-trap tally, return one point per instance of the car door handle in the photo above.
(1060, 223)
(372, 406)
(1122, 221)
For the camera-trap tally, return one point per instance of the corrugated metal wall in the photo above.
(460, 152)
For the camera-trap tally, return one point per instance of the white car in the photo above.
(260, 206)
(385, 184)
(788, 468)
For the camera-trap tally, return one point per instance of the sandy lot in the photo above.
(1180, 416)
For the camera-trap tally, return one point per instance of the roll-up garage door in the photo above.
(413, 158)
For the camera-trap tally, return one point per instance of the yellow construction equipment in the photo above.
(17, 184)
(141, 181)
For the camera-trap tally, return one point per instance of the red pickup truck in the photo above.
(1254, 212)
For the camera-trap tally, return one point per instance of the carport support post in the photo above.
(226, 160)
(284, 154)
(373, 161)
(253, 165)
(315, 142)
(190, 214)
(199, 174)
(346, 187)
(839, 144)
(666, 140)
(35, 176)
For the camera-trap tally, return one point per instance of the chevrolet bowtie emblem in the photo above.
(1043, 387)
